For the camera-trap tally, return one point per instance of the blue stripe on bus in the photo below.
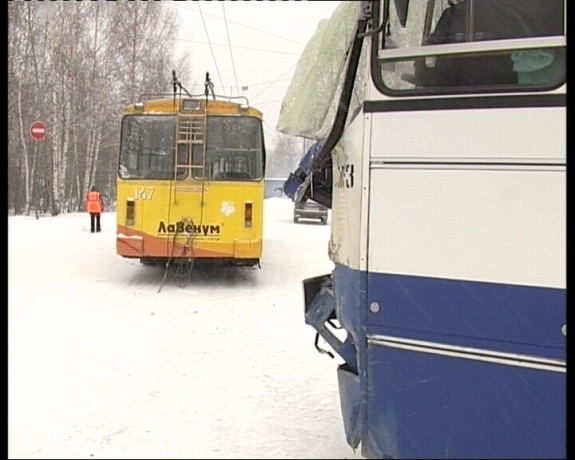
(454, 407)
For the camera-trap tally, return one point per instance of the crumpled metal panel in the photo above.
(350, 400)
(310, 103)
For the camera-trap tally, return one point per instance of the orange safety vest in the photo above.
(93, 203)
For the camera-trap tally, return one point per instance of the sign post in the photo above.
(38, 132)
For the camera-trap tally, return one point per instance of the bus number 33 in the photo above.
(345, 176)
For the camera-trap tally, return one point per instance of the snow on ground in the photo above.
(101, 365)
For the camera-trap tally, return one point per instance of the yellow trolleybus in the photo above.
(191, 180)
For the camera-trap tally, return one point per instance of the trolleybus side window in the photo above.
(463, 23)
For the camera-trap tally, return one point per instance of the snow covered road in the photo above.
(101, 365)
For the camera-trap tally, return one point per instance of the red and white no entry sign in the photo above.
(38, 131)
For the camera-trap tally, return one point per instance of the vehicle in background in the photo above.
(191, 180)
(310, 210)
(273, 187)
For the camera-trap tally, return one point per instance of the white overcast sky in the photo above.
(266, 37)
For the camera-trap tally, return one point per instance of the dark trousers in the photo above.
(95, 222)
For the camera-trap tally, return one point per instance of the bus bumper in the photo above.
(129, 246)
(320, 311)
(247, 248)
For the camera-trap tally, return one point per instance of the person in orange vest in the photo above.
(94, 207)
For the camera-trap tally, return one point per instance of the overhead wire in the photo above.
(270, 102)
(272, 131)
(230, 46)
(267, 82)
(257, 84)
(273, 82)
(239, 47)
(211, 49)
(239, 24)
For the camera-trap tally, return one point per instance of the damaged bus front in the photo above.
(441, 153)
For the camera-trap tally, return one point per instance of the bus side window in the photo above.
(480, 20)
(540, 66)
(458, 23)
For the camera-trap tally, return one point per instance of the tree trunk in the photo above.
(89, 161)
(56, 151)
(25, 153)
(96, 155)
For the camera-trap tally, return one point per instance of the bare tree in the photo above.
(73, 65)
(18, 65)
(284, 156)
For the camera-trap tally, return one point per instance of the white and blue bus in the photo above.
(443, 161)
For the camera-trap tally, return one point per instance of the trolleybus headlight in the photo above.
(248, 215)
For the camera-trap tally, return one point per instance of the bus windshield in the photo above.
(234, 149)
(147, 146)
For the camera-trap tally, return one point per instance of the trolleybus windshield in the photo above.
(147, 146)
(234, 149)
